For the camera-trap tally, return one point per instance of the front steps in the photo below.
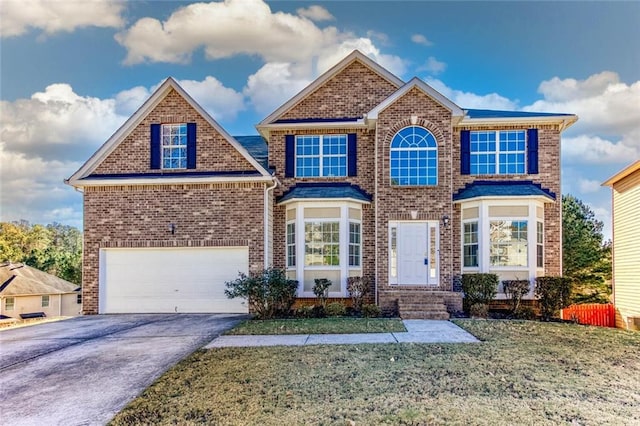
(422, 306)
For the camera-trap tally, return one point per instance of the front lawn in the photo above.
(320, 326)
(523, 373)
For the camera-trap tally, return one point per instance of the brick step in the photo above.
(432, 307)
(423, 299)
(424, 315)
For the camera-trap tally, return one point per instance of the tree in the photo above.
(55, 248)
(585, 257)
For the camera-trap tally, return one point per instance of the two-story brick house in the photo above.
(359, 174)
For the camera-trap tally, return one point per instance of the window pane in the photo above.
(322, 244)
(470, 244)
(413, 157)
(509, 244)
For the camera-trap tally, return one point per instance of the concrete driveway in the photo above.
(84, 370)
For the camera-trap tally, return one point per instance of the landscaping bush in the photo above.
(269, 293)
(478, 289)
(553, 293)
(321, 290)
(358, 287)
(515, 290)
(370, 311)
(525, 313)
(305, 311)
(335, 309)
(479, 310)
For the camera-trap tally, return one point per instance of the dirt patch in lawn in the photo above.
(523, 373)
(319, 326)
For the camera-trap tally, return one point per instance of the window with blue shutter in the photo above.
(352, 154)
(155, 146)
(532, 151)
(465, 152)
(290, 155)
(191, 146)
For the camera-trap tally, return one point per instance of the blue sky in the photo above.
(72, 72)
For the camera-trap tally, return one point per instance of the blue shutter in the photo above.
(532, 151)
(290, 155)
(352, 155)
(465, 152)
(155, 146)
(191, 145)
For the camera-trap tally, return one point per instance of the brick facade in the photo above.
(232, 213)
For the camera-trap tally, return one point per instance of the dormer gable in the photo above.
(169, 138)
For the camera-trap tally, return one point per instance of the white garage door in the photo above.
(155, 280)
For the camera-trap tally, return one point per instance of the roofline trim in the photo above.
(622, 174)
(298, 199)
(169, 180)
(564, 120)
(548, 198)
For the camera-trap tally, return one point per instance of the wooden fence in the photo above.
(602, 315)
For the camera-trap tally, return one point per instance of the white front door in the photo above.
(415, 246)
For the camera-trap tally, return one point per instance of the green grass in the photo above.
(319, 326)
(524, 373)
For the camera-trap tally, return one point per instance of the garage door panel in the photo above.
(170, 279)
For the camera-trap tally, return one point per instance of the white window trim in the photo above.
(10, 307)
(497, 152)
(427, 149)
(171, 146)
(48, 299)
(529, 272)
(321, 156)
(343, 221)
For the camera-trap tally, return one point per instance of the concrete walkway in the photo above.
(418, 331)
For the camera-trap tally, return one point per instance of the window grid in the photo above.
(322, 244)
(470, 244)
(508, 243)
(45, 301)
(291, 244)
(354, 244)
(321, 155)
(9, 303)
(506, 156)
(174, 146)
(540, 245)
(414, 157)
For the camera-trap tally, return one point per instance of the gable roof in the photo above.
(415, 82)
(489, 116)
(257, 147)
(112, 143)
(356, 55)
(17, 279)
(494, 189)
(324, 191)
(633, 167)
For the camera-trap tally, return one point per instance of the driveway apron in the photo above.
(84, 370)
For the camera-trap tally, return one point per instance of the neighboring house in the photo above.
(364, 175)
(26, 290)
(626, 256)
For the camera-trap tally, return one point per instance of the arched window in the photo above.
(414, 157)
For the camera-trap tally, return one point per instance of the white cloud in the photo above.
(128, 101)
(433, 66)
(272, 85)
(588, 186)
(421, 39)
(17, 16)
(472, 100)
(584, 149)
(223, 103)
(330, 56)
(33, 189)
(224, 30)
(57, 123)
(315, 13)
(605, 105)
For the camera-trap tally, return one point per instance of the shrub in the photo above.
(358, 287)
(335, 309)
(515, 290)
(305, 311)
(479, 310)
(370, 310)
(478, 289)
(553, 293)
(525, 313)
(321, 290)
(269, 293)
